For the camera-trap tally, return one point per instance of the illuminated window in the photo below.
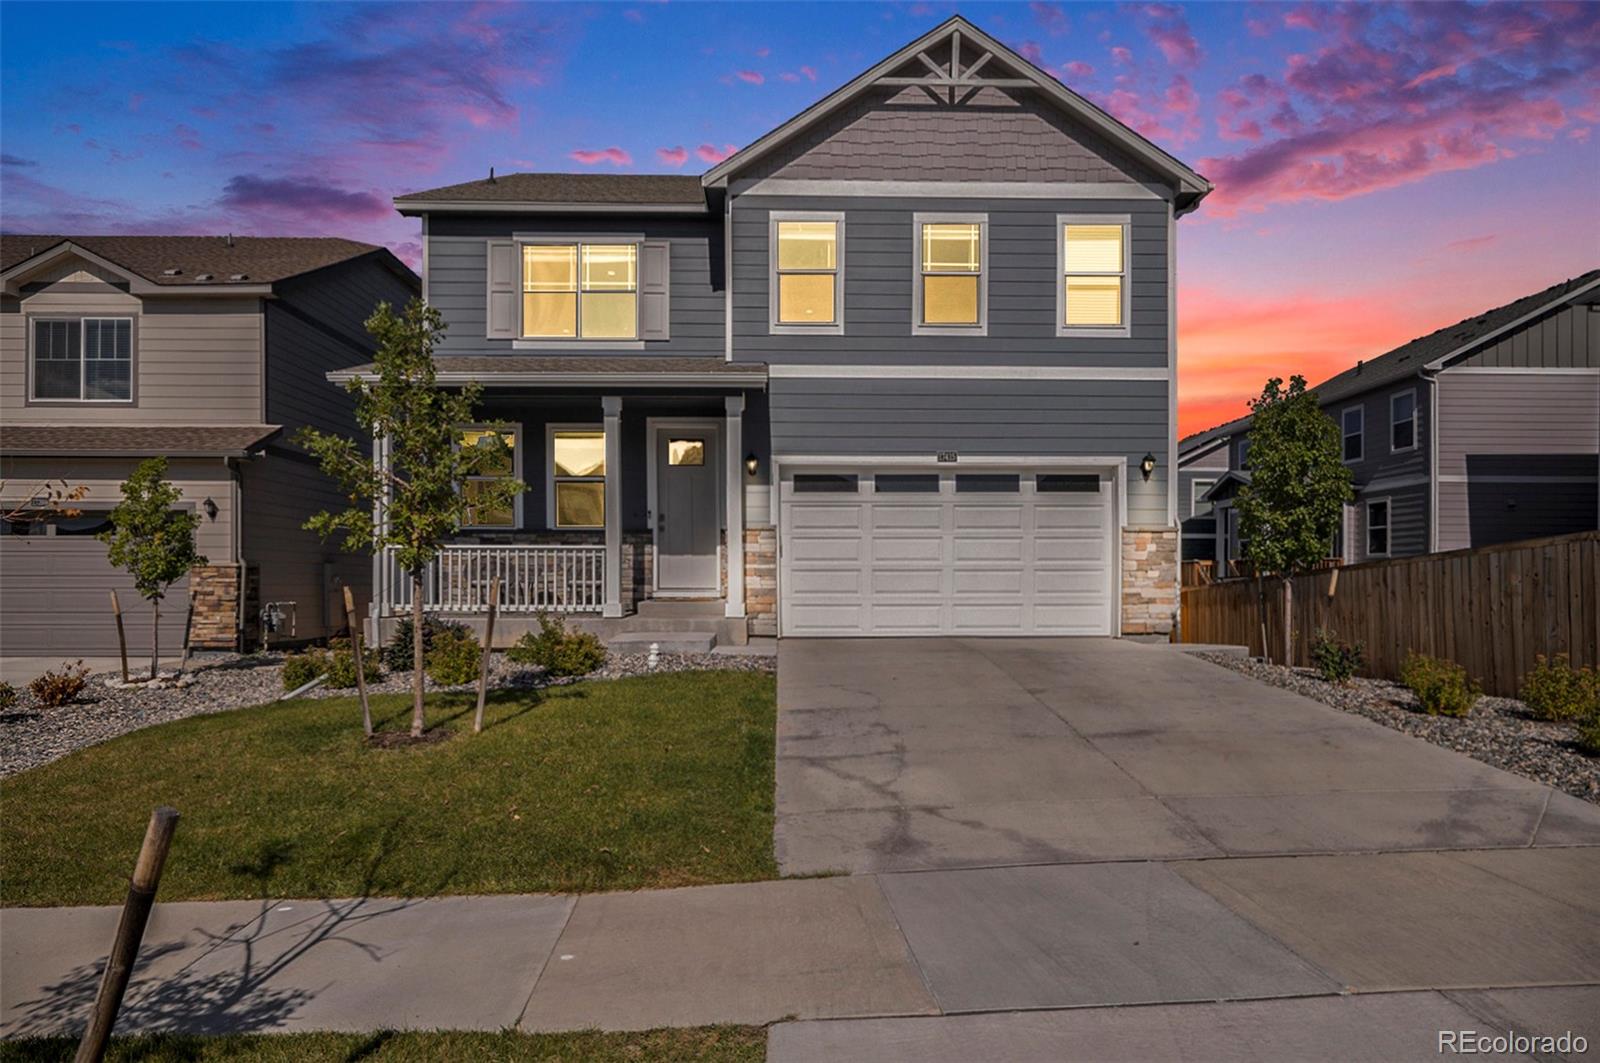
(577, 477)
(490, 514)
(806, 271)
(1094, 274)
(580, 291)
(950, 284)
(686, 452)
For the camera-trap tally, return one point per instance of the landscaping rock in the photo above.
(1499, 731)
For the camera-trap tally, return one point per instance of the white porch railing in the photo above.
(533, 578)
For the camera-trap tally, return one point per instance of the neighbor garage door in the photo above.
(54, 600)
(942, 553)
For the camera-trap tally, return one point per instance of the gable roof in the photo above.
(676, 193)
(1192, 445)
(1191, 186)
(239, 263)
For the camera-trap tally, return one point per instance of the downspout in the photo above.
(1432, 381)
(236, 539)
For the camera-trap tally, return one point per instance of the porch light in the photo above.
(1148, 465)
(750, 463)
(210, 507)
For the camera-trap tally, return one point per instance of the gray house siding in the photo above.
(1198, 533)
(1567, 338)
(458, 276)
(1408, 520)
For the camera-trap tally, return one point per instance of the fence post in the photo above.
(130, 931)
(361, 668)
(488, 650)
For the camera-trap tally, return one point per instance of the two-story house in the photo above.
(210, 351)
(902, 366)
(1483, 432)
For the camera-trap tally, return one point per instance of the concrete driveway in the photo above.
(906, 754)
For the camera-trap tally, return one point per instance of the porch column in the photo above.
(612, 406)
(733, 436)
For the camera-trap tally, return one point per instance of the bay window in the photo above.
(951, 286)
(577, 477)
(1092, 263)
(86, 359)
(580, 291)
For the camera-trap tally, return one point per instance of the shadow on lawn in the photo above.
(244, 977)
(459, 708)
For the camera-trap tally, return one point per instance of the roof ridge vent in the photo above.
(173, 272)
(239, 276)
(203, 277)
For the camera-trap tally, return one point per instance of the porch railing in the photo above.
(533, 578)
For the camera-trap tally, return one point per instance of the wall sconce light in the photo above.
(210, 507)
(1148, 465)
(750, 463)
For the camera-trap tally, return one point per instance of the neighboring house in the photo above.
(210, 351)
(903, 366)
(1484, 432)
(1202, 461)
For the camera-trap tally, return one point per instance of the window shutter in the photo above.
(655, 282)
(501, 313)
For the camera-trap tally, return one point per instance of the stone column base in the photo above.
(217, 594)
(1149, 580)
(761, 579)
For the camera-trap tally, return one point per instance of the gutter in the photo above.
(637, 380)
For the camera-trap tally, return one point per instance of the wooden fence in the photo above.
(1490, 610)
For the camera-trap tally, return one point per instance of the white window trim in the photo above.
(550, 477)
(1093, 331)
(81, 321)
(793, 328)
(1361, 432)
(1388, 528)
(515, 432)
(1414, 420)
(526, 342)
(933, 218)
(1196, 489)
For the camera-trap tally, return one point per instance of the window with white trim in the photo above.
(1198, 506)
(577, 476)
(1378, 528)
(807, 288)
(503, 514)
(1403, 421)
(951, 286)
(586, 291)
(1092, 263)
(1352, 425)
(87, 359)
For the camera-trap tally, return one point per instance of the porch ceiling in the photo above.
(569, 370)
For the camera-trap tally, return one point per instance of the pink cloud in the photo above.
(673, 156)
(1031, 51)
(1471, 243)
(1051, 18)
(1169, 31)
(763, 52)
(1078, 69)
(752, 77)
(713, 154)
(809, 72)
(613, 156)
(1122, 55)
(633, 14)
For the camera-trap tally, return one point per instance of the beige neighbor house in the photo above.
(210, 351)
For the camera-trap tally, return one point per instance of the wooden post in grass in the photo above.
(122, 638)
(488, 648)
(130, 931)
(188, 630)
(361, 667)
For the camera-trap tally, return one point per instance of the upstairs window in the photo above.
(1198, 506)
(1352, 422)
(580, 291)
(508, 464)
(1093, 260)
(1403, 421)
(577, 477)
(951, 284)
(86, 359)
(1244, 454)
(1378, 528)
(806, 274)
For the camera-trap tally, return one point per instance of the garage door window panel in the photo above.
(906, 483)
(826, 483)
(988, 483)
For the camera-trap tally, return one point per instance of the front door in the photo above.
(687, 528)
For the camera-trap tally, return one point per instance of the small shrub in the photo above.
(57, 688)
(1589, 735)
(301, 668)
(557, 650)
(1336, 661)
(397, 652)
(1441, 686)
(342, 664)
(455, 658)
(1555, 690)
(8, 696)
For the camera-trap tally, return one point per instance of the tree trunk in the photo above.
(417, 673)
(155, 636)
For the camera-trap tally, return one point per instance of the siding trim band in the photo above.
(802, 186)
(968, 372)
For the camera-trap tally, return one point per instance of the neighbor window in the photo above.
(1378, 528)
(950, 281)
(577, 477)
(490, 516)
(1353, 420)
(805, 262)
(1198, 506)
(580, 291)
(1403, 421)
(83, 359)
(1093, 262)
(1244, 454)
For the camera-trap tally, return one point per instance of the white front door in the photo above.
(688, 530)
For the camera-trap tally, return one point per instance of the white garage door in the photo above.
(946, 553)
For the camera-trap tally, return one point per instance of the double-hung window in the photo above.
(1244, 454)
(951, 292)
(1092, 268)
(1403, 421)
(586, 291)
(577, 470)
(87, 359)
(807, 272)
(1352, 423)
(1198, 506)
(509, 463)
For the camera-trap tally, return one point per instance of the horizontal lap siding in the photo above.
(1517, 414)
(280, 493)
(1408, 520)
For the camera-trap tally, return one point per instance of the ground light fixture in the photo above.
(1147, 465)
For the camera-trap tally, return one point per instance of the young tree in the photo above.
(1298, 487)
(152, 541)
(420, 487)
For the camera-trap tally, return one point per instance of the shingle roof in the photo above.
(134, 441)
(1200, 439)
(227, 260)
(629, 189)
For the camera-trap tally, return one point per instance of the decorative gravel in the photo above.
(1499, 731)
(31, 735)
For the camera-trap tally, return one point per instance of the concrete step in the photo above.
(681, 608)
(666, 642)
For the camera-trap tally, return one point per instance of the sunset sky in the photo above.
(1381, 170)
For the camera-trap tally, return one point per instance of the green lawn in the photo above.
(650, 782)
(718, 1044)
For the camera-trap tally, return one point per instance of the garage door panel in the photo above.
(823, 619)
(996, 549)
(55, 599)
(827, 548)
(969, 516)
(1088, 517)
(886, 581)
(921, 549)
(826, 580)
(887, 517)
(1048, 548)
(1005, 618)
(827, 515)
(1069, 581)
(987, 581)
(888, 618)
